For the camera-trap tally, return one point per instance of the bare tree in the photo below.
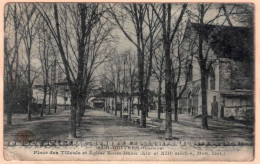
(131, 64)
(30, 30)
(168, 35)
(146, 27)
(124, 82)
(76, 22)
(47, 59)
(113, 78)
(12, 24)
(153, 24)
(158, 71)
(181, 68)
(120, 76)
(241, 13)
(202, 59)
(197, 13)
(8, 67)
(135, 14)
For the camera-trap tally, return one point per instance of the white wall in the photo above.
(38, 95)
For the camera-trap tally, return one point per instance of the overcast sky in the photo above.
(123, 43)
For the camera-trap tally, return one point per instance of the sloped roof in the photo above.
(229, 42)
(237, 93)
(97, 99)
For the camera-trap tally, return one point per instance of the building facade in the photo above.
(230, 80)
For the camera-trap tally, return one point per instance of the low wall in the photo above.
(240, 113)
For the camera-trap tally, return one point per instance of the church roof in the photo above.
(229, 42)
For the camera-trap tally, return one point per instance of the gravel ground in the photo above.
(100, 126)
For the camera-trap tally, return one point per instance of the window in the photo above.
(189, 72)
(214, 98)
(212, 80)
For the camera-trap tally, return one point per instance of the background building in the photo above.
(230, 79)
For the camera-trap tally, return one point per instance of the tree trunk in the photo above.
(168, 94)
(143, 115)
(203, 72)
(49, 100)
(112, 106)
(44, 99)
(16, 44)
(168, 128)
(130, 108)
(160, 99)
(105, 104)
(204, 99)
(168, 63)
(115, 104)
(29, 116)
(55, 99)
(141, 87)
(176, 110)
(29, 87)
(144, 104)
(121, 111)
(9, 108)
(175, 106)
(54, 94)
(73, 115)
(138, 106)
(9, 113)
(81, 110)
(127, 104)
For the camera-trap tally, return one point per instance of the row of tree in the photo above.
(80, 37)
(76, 37)
(157, 36)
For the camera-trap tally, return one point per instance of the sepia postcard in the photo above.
(123, 81)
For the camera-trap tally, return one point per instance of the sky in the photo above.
(123, 43)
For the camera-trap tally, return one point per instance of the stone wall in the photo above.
(240, 113)
(241, 108)
(235, 75)
(224, 74)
